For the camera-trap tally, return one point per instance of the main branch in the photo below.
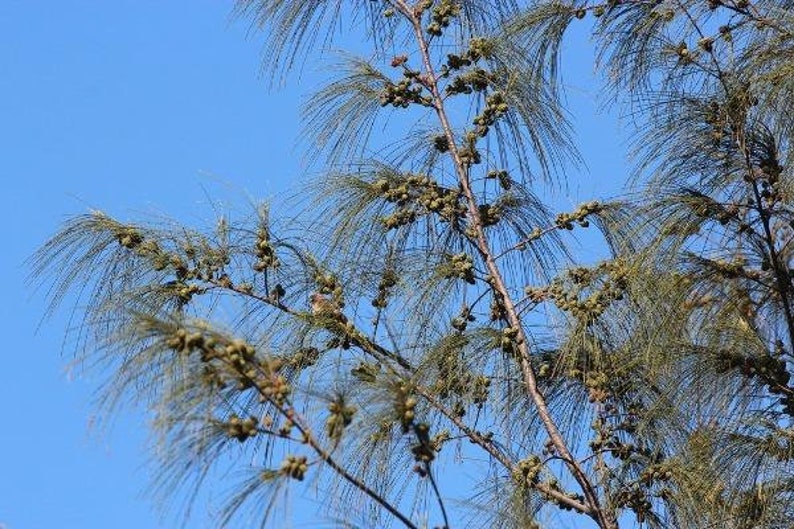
(606, 520)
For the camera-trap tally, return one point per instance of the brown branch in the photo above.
(604, 519)
(782, 278)
(488, 445)
(326, 457)
(307, 436)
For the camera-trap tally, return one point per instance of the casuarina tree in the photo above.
(419, 346)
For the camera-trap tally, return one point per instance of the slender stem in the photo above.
(326, 457)
(289, 413)
(474, 436)
(323, 454)
(754, 13)
(380, 500)
(438, 495)
(527, 240)
(781, 275)
(488, 445)
(604, 519)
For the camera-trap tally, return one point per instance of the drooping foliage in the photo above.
(421, 345)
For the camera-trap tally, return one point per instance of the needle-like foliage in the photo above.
(420, 344)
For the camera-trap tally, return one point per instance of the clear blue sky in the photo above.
(138, 107)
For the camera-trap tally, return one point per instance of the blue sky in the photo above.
(140, 108)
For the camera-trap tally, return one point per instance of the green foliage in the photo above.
(433, 316)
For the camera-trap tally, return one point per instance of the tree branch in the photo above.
(604, 519)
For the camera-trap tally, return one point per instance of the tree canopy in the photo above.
(421, 345)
